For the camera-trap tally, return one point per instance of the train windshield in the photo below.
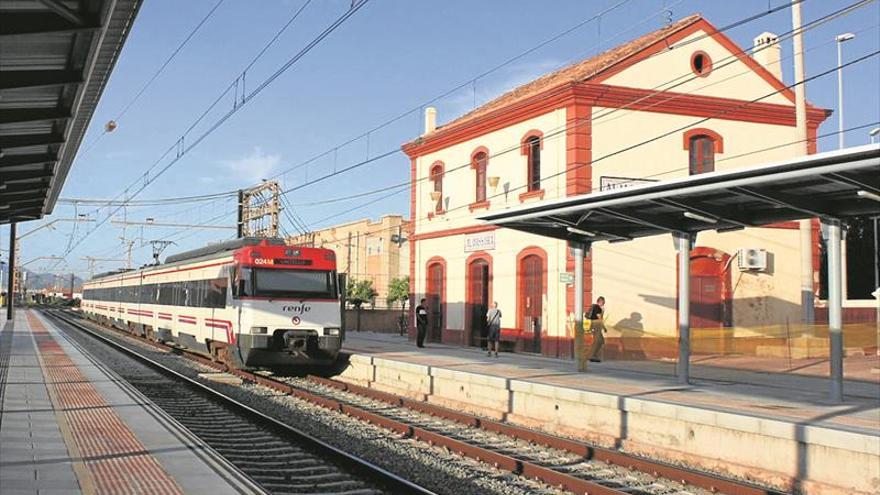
(292, 283)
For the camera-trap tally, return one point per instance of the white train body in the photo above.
(255, 303)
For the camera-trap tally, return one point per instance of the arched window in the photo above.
(437, 178)
(533, 170)
(701, 157)
(479, 162)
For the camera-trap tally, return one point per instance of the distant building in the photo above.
(629, 115)
(366, 250)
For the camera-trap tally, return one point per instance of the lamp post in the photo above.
(841, 39)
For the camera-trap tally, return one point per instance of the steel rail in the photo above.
(707, 481)
(373, 472)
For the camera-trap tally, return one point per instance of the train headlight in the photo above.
(259, 330)
(331, 331)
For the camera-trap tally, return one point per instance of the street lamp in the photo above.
(841, 39)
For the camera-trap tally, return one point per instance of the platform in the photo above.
(777, 428)
(69, 425)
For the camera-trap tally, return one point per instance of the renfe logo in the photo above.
(299, 309)
(296, 320)
(263, 261)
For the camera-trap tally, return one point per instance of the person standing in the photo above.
(493, 321)
(421, 322)
(597, 327)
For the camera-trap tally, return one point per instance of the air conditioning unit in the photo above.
(752, 259)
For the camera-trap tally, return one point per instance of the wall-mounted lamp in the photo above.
(493, 182)
(435, 195)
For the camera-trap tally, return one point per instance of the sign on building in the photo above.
(566, 278)
(610, 183)
(484, 241)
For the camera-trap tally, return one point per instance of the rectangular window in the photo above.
(294, 283)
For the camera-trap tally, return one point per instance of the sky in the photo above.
(389, 59)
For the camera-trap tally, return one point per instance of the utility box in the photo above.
(752, 260)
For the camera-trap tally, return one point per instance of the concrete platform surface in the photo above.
(777, 429)
(782, 396)
(69, 425)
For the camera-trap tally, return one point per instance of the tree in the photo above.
(398, 291)
(359, 292)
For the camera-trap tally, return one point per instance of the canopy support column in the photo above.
(835, 307)
(683, 245)
(10, 297)
(578, 251)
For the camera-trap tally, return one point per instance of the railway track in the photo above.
(570, 465)
(278, 457)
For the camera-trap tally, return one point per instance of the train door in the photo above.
(531, 303)
(478, 300)
(435, 301)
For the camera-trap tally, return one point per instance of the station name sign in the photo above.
(484, 241)
(611, 183)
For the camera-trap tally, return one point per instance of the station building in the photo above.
(681, 100)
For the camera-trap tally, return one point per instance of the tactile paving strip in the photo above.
(116, 459)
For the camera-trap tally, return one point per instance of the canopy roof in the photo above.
(832, 185)
(55, 59)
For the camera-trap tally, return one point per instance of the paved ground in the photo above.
(797, 397)
(69, 426)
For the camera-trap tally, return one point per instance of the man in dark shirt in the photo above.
(597, 327)
(421, 322)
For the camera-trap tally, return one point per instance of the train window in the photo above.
(216, 293)
(295, 283)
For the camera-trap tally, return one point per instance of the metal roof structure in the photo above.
(832, 185)
(55, 59)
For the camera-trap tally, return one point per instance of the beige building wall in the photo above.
(365, 250)
(638, 278)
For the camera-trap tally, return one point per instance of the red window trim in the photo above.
(537, 193)
(717, 139)
(476, 167)
(707, 63)
(435, 175)
(524, 145)
(479, 205)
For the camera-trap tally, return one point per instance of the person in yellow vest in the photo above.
(597, 328)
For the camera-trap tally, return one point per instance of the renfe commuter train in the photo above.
(255, 303)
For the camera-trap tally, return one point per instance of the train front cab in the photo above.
(289, 307)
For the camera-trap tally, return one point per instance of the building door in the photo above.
(710, 299)
(706, 302)
(435, 302)
(478, 301)
(531, 301)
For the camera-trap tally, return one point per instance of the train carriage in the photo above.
(256, 303)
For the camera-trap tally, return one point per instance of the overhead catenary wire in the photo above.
(184, 149)
(733, 58)
(156, 74)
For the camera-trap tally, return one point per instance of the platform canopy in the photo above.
(832, 185)
(55, 59)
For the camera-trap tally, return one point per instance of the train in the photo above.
(249, 303)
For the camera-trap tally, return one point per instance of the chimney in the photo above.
(768, 53)
(430, 120)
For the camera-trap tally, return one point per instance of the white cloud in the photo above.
(253, 167)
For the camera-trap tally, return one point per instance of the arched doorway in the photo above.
(479, 297)
(531, 281)
(711, 297)
(435, 295)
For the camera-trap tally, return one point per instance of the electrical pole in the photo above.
(10, 288)
(72, 285)
(259, 207)
(94, 261)
(348, 256)
(806, 225)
